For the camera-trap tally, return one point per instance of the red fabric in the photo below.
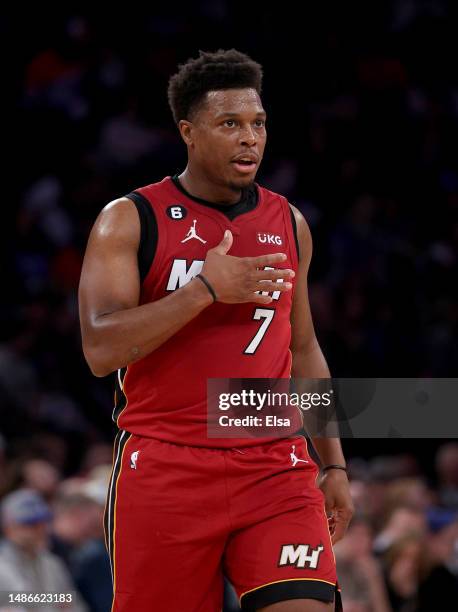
(166, 391)
(184, 515)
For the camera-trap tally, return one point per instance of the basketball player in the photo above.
(172, 293)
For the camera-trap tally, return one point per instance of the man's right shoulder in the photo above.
(118, 220)
(118, 207)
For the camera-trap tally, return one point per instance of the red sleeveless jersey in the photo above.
(163, 395)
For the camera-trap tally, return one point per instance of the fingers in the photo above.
(260, 299)
(238, 279)
(223, 247)
(338, 534)
(270, 286)
(332, 525)
(341, 521)
(273, 275)
(266, 260)
(264, 287)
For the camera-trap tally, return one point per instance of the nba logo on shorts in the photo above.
(133, 460)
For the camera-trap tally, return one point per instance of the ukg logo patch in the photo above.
(266, 238)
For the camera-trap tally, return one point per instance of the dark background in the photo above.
(362, 104)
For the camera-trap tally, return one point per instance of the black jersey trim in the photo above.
(294, 224)
(120, 396)
(248, 200)
(109, 518)
(148, 233)
(285, 590)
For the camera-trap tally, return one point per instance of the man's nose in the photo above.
(248, 136)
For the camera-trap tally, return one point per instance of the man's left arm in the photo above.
(309, 362)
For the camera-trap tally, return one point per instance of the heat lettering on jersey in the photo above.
(181, 275)
(275, 294)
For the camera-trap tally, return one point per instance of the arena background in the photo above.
(362, 102)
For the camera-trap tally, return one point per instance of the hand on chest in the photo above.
(190, 234)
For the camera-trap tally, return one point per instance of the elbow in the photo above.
(97, 362)
(100, 371)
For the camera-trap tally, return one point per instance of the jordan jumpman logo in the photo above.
(294, 459)
(193, 234)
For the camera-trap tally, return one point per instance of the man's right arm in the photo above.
(115, 329)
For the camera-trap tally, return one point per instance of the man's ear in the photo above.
(186, 131)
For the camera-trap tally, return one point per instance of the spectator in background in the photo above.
(91, 567)
(436, 564)
(3, 464)
(418, 569)
(42, 476)
(97, 455)
(384, 483)
(402, 566)
(77, 534)
(26, 564)
(31, 473)
(402, 522)
(409, 492)
(447, 472)
(359, 572)
(77, 519)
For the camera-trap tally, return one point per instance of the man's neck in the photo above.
(200, 188)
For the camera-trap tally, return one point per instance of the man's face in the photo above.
(228, 137)
(31, 538)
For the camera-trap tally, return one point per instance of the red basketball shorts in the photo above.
(178, 517)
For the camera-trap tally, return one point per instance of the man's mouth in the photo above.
(245, 164)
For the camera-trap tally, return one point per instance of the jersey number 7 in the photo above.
(260, 313)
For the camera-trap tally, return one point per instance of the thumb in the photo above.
(223, 247)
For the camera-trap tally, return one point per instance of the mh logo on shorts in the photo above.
(299, 556)
(133, 460)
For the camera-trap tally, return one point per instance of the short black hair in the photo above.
(222, 69)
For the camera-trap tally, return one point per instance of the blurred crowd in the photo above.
(362, 120)
(401, 551)
(52, 535)
(399, 555)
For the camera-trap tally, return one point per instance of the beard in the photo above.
(242, 183)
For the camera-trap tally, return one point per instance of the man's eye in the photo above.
(229, 123)
(260, 123)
